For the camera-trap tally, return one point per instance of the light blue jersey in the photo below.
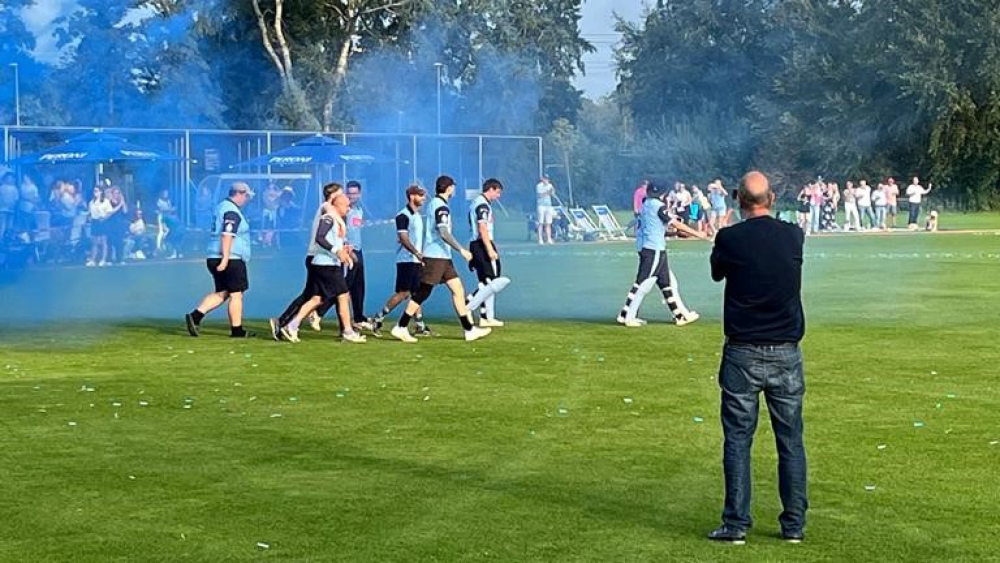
(355, 220)
(653, 219)
(335, 236)
(411, 223)
(438, 217)
(480, 212)
(229, 220)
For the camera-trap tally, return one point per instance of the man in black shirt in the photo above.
(761, 261)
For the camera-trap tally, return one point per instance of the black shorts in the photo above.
(653, 264)
(481, 264)
(327, 282)
(438, 271)
(98, 228)
(408, 276)
(233, 279)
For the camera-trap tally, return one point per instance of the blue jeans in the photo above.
(746, 371)
(880, 216)
(815, 213)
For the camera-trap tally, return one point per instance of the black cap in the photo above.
(654, 190)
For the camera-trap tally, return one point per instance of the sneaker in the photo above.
(366, 324)
(377, 328)
(634, 323)
(275, 329)
(140, 255)
(476, 333)
(91, 263)
(400, 333)
(490, 323)
(316, 322)
(290, 335)
(246, 334)
(354, 337)
(102, 264)
(193, 328)
(688, 318)
(793, 537)
(424, 330)
(728, 534)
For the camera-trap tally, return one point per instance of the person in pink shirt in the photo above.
(638, 196)
(892, 205)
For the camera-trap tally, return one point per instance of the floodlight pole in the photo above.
(439, 67)
(17, 94)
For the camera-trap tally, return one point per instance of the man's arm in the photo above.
(325, 225)
(718, 260)
(440, 220)
(405, 242)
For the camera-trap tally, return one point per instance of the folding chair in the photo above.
(581, 221)
(609, 224)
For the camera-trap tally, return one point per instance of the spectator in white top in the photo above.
(851, 218)
(544, 194)
(30, 198)
(879, 201)
(863, 193)
(915, 195)
(99, 209)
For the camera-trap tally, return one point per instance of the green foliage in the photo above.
(844, 89)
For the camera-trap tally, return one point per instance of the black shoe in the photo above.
(728, 534)
(793, 537)
(423, 330)
(246, 334)
(193, 328)
(377, 327)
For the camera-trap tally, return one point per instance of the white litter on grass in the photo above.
(881, 446)
(293, 399)
(627, 400)
(131, 477)
(698, 420)
(143, 404)
(187, 406)
(263, 545)
(237, 384)
(918, 424)
(253, 365)
(950, 396)
(427, 397)
(254, 398)
(116, 404)
(276, 415)
(43, 410)
(190, 351)
(563, 411)
(71, 423)
(994, 442)
(869, 488)
(933, 373)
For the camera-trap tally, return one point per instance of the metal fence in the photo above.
(516, 160)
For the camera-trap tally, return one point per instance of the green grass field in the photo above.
(562, 437)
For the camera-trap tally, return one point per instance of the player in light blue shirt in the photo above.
(228, 254)
(409, 259)
(650, 238)
(485, 257)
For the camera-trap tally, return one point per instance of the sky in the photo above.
(597, 26)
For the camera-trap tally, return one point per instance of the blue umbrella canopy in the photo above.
(315, 150)
(94, 147)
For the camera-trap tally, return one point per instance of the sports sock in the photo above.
(293, 326)
(466, 321)
(404, 319)
(197, 316)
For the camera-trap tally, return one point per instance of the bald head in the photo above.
(755, 192)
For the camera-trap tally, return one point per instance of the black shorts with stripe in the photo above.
(653, 264)
(327, 282)
(481, 264)
(437, 271)
(408, 276)
(233, 279)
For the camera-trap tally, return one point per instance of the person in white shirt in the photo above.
(544, 193)
(879, 200)
(863, 193)
(99, 209)
(915, 195)
(851, 218)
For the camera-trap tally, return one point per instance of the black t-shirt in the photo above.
(761, 261)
